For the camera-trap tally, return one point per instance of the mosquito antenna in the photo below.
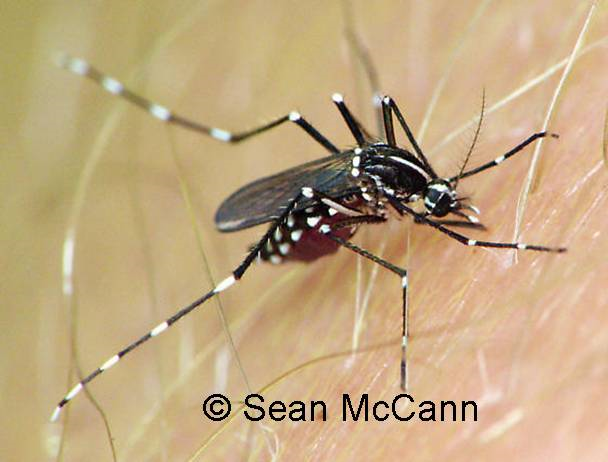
(475, 138)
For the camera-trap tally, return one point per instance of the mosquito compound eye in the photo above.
(438, 199)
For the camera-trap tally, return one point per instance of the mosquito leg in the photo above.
(389, 104)
(111, 85)
(326, 229)
(471, 221)
(354, 126)
(402, 273)
(472, 242)
(459, 224)
(389, 130)
(358, 220)
(501, 159)
(223, 285)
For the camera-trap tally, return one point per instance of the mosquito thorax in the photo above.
(396, 170)
(439, 197)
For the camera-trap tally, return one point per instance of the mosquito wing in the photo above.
(261, 201)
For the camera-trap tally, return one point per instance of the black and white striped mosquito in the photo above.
(315, 208)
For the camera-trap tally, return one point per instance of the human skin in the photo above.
(524, 338)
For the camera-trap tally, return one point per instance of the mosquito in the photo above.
(316, 208)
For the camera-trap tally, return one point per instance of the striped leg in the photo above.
(401, 272)
(326, 229)
(111, 85)
(501, 159)
(471, 242)
(361, 135)
(223, 285)
(358, 220)
(388, 107)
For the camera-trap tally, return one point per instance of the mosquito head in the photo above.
(440, 198)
